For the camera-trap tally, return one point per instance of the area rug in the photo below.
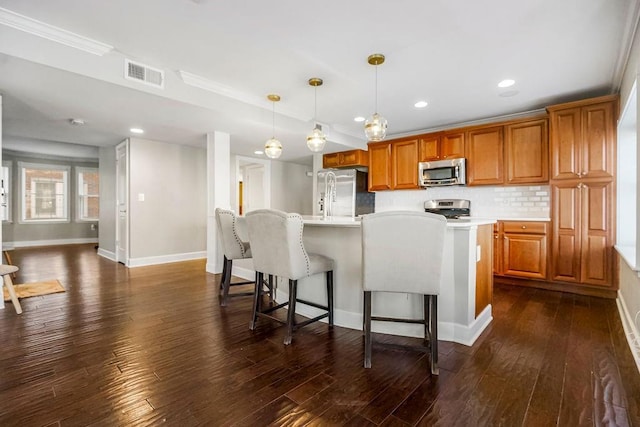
(35, 289)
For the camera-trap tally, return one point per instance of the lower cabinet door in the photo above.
(525, 255)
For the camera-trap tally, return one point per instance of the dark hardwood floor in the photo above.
(151, 346)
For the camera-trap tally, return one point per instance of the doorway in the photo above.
(253, 184)
(122, 202)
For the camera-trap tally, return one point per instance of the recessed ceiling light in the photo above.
(421, 104)
(506, 83)
(258, 152)
(359, 119)
(136, 130)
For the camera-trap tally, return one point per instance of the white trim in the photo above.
(165, 259)
(229, 92)
(107, 254)
(447, 331)
(52, 242)
(630, 330)
(49, 32)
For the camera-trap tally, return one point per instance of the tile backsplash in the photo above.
(492, 202)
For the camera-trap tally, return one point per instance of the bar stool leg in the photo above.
(12, 293)
(228, 265)
(256, 300)
(433, 320)
(291, 315)
(330, 296)
(367, 329)
(224, 272)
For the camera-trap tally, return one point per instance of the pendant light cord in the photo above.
(376, 97)
(273, 119)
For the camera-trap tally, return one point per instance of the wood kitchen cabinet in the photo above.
(393, 165)
(484, 276)
(346, 159)
(582, 211)
(527, 152)
(583, 138)
(521, 248)
(485, 156)
(441, 146)
(379, 166)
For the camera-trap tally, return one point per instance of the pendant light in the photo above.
(273, 147)
(316, 139)
(375, 127)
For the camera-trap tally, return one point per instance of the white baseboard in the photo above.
(54, 242)
(107, 254)
(164, 259)
(447, 331)
(630, 329)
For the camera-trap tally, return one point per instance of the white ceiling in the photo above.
(449, 53)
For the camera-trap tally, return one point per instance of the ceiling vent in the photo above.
(143, 74)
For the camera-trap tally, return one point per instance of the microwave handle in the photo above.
(457, 169)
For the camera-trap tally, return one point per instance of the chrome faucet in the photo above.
(329, 193)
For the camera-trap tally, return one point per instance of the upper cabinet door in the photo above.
(452, 145)
(429, 148)
(565, 143)
(598, 141)
(380, 166)
(404, 164)
(527, 151)
(485, 153)
(583, 139)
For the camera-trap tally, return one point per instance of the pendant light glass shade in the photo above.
(273, 147)
(316, 139)
(375, 127)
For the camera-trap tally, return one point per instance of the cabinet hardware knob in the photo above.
(524, 226)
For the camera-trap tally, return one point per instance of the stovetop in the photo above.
(449, 208)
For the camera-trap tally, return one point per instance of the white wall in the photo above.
(291, 188)
(171, 221)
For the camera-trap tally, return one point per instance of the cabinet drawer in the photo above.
(528, 227)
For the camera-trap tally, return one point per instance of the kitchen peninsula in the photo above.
(464, 304)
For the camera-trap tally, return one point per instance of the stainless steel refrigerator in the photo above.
(343, 192)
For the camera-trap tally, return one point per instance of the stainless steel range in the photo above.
(450, 208)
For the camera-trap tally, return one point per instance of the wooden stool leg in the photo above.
(12, 293)
(9, 262)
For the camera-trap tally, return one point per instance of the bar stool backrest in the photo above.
(232, 246)
(276, 243)
(402, 251)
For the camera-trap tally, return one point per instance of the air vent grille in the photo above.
(143, 74)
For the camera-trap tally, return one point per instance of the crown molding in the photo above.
(49, 32)
(228, 92)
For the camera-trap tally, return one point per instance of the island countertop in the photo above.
(347, 221)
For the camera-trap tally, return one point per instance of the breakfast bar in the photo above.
(464, 304)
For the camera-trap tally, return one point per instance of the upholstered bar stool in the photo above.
(403, 252)
(277, 248)
(6, 271)
(233, 248)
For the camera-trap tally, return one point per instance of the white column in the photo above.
(218, 192)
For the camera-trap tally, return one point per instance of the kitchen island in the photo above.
(464, 304)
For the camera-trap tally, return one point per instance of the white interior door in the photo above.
(122, 203)
(254, 196)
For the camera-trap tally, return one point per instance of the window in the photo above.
(5, 192)
(88, 194)
(45, 190)
(628, 191)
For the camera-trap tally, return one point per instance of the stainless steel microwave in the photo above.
(442, 172)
